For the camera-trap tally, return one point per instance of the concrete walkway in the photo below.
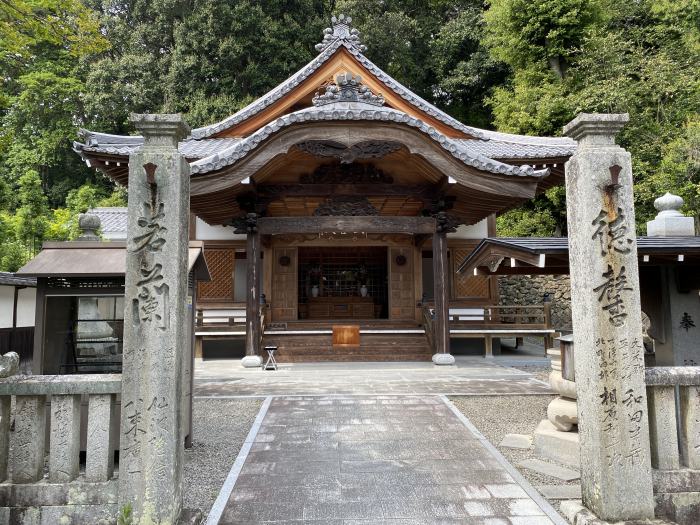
(469, 376)
(372, 459)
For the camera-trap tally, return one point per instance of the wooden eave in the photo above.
(554, 260)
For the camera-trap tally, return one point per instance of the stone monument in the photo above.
(155, 328)
(609, 355)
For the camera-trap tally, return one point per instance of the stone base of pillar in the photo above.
(577, 514)
(551, 443)
(251, 361)
(444, 359)
(562, 412)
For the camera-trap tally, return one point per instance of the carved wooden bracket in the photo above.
(346, 205)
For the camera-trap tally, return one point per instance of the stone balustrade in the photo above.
(674, 443)
(673, 395)
(55, 400)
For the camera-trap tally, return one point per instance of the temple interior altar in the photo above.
(348, 282)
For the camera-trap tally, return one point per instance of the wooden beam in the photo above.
(274, 191)
(440, 291)
(252, 333)
(523, 270)
(367, 224)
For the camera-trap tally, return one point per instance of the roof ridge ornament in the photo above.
(341, 30)
(347, 88)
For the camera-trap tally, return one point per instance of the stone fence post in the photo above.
(155, 327)
(609, 356)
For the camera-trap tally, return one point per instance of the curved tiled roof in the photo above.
(125, 145)
(357, 111)
(292, 82)
(200, 145)
(498, 149)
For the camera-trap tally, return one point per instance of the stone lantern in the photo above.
(557, 436)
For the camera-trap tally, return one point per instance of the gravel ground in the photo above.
(496, 416)
(220, 427)
(540, 372)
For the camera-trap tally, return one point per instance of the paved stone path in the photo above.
(470, 376)
(376, 459)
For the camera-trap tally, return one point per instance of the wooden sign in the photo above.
(346, 335)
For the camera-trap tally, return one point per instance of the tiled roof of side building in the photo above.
(112, 220)
(10, 279)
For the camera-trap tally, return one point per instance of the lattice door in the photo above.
(284, 284)
(468, 286)
(220, 262)
(401, 296)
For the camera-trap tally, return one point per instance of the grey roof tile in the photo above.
(113, 220)
(10, 279)
(357, 111)
(125, 145)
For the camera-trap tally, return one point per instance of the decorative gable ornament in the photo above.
(341, 30)
(347, 88)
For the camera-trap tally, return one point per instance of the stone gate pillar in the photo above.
(609, 355)
(155, 327)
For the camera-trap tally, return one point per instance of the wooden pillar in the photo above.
(442, 310)
(252, 312)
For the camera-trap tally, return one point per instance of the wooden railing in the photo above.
(429, 326)
(219, 321)
(264, 313)
(530, 316)
(675, 442)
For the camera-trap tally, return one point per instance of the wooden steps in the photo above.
(373, 347)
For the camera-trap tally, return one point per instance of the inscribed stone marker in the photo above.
(155, 333)
(606, 313)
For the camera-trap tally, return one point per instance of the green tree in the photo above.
(634, 57)
(31, 215)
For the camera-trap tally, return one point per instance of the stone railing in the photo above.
(674, 430)
(56, 401)
(674, 442)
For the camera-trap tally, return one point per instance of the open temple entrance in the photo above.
(348, 282)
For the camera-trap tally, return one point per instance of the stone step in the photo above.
(550, 469)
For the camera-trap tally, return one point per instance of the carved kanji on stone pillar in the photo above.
(155, 339)
(609, 356)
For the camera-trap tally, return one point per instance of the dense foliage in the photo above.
(524, 66)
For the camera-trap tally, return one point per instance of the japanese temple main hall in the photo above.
(335, 210)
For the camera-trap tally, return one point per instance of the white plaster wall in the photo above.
(206, 232)
(26, 306)
(475, 231)
(7, 298)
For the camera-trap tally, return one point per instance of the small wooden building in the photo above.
(345, 198)
(80, 304)
(669, 278)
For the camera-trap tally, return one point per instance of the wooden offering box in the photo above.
(341, 308)
(346, 335)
